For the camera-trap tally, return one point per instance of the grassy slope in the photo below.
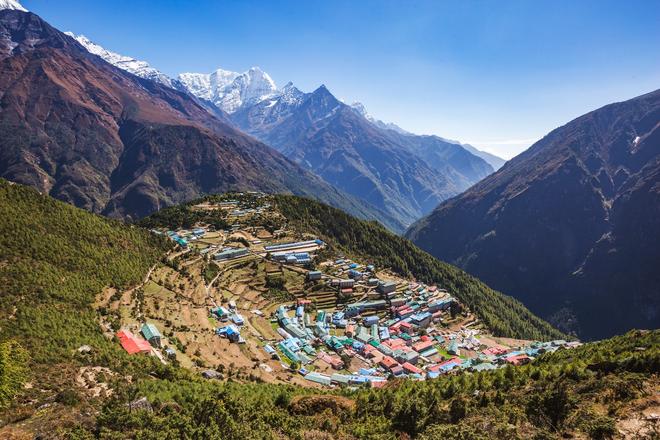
(502, 314)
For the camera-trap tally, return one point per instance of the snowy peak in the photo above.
(291, 95)
(231, 90)
(361, 110)
(129, 64)
(12, 4)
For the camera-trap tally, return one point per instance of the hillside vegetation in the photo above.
(54, 260)
(503, 315)
(589, 392)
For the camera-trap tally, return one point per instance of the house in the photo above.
(384, 333)
(221, 313)
(323, 379)
(151, 334)
(388, 363)
(445, 366)
(230, 254)
(422, 346)
(210, 374)
(170, 353)
(346, 284)
(484, 366)
(343, 379)
(233, 334)
(519, 359)
(294, 246)
(132, 344)
(334, 361)
(314, 275)
(370, 320)
(406, 327)
(452, 348)
(288, 352)
(421, 320)
(410, 368)
(271, 351)
(386, 287)
(354, 274)
(410, 356)
(363, 335)
(496, 350)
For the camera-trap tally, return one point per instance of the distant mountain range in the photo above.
(401, 173)
(82, 130)
(571, 226)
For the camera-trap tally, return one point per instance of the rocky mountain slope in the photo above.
(404, 174)
(86, 132)
(570, 227)
(495, 161)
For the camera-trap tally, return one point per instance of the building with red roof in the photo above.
(410, 368)
(422, 346)
(406, 327)
(388, 363)
(132, 344)
(516, 360)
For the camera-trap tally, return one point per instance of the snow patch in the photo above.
(129, 64)
(12, 4)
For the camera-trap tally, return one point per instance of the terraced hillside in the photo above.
(503, 315)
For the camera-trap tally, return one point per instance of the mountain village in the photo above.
(281, 306)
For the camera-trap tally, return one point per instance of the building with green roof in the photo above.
(151, 334)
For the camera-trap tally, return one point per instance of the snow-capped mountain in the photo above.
(362, 111)
(129, 64)
(228, 90)
(12, 4)
(303, 124)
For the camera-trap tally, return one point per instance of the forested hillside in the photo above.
(503, 315)
(595, 391)
(54, 260)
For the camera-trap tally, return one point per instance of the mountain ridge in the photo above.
(117, 144)
(250, 100)
(580, 197)
(404, 174)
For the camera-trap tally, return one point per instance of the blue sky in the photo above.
(497, 74)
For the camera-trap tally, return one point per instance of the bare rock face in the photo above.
(571, 227)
